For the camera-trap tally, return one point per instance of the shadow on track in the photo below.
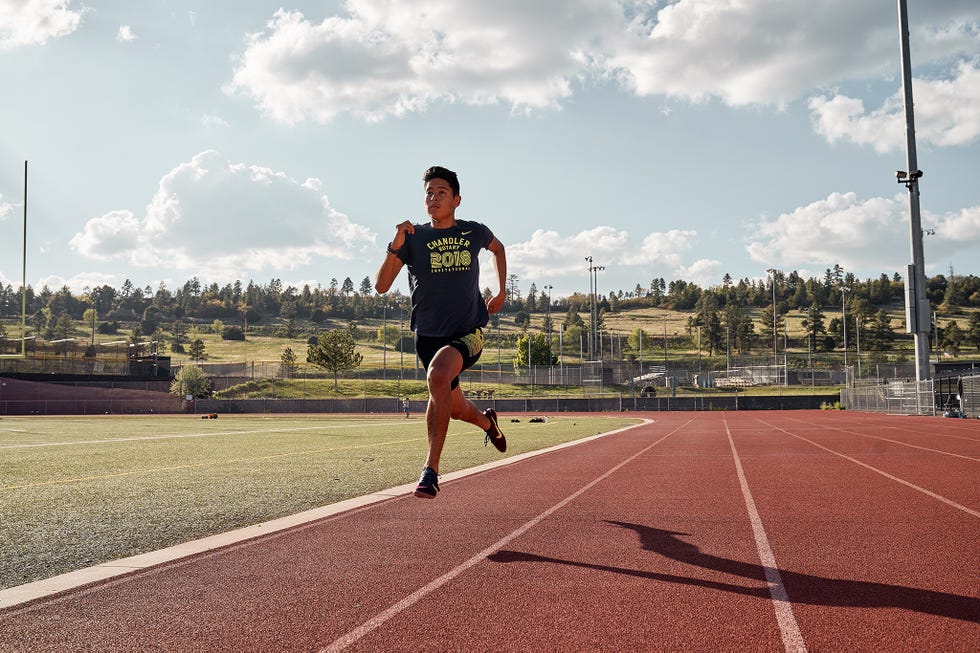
(802, 588)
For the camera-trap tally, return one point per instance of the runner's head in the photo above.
(438, 172)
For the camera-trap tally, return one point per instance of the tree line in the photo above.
(721, 312)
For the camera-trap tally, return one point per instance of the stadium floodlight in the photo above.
(907, 178)
(917, 304)
(23, 285)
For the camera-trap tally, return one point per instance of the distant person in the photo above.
(406, 407)
(448, 310)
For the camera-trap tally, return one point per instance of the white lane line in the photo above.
(938, 497)
(789, 630)
(379, 619)
(903, 444)
(174, 436)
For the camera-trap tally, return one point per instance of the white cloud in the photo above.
(840, 229)
(663, 248)
(549, 255)
(212, 120)
(869, 234)
(34, 22)
(80, 281)
(6, 208)
(109, 236)
(384, 58)
(126, 34)
(955, 233)
(704, 272)
(945, 114)
(224, 220)
(761, 52)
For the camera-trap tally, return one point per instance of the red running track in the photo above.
(761, 531)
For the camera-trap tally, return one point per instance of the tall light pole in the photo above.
(591, 306)
(594, 317)
(549, 288)
(775, 353)
(384, 340)
(843, 319)
(916, 304)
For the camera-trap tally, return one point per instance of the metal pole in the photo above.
(591, 307)
(23, 282)
(917, 306)
(549, 288)
(843, 318)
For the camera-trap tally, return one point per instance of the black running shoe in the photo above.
(428, 485)
(493, 433)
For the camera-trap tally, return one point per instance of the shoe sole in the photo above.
(500, 444)
(422, 494)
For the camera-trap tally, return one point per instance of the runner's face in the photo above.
(440, 203)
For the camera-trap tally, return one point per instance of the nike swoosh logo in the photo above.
(466, 233)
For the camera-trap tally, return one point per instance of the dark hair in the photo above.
(438, 172)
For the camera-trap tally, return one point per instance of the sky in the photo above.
(684, 139)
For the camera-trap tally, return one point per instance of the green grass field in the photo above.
(78, 491)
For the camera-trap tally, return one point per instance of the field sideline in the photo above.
(79, 491)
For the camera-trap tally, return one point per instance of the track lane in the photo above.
(659, 554)
(868, 561)
(600, 573)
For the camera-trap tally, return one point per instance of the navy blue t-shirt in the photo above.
(444, 277)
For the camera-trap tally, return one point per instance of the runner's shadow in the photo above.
(802, 588)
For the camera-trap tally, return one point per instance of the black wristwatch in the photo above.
(391, 251)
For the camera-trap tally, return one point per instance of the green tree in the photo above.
(136, 342)
(766, 332)
(89, 318)
(348, 287)
(639, 341)
(159, 340)
(232, 332)
(540, 351)
(367, 288)
(572, 318)
(178, 332)
(522, 320)
(572, 338)
(973, 330)
(288, 361)
(739, 329)
(196, 350)
(714, 333)
(389, 334)
(334, 351)
(951, 339)
(880, 333)
(813, 325)
(190, 380)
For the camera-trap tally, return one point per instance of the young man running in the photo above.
(448, 310)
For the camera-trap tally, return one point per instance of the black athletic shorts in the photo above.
(469, 345)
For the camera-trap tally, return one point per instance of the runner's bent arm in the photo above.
(496, 303)
(392, 265)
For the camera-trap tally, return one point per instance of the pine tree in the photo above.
(334, 351)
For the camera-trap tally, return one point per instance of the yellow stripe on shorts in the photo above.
(473, 341)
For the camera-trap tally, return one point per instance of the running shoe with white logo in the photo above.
(428, 485)
(493, 433)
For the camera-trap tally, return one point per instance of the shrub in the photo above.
(232, 333)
